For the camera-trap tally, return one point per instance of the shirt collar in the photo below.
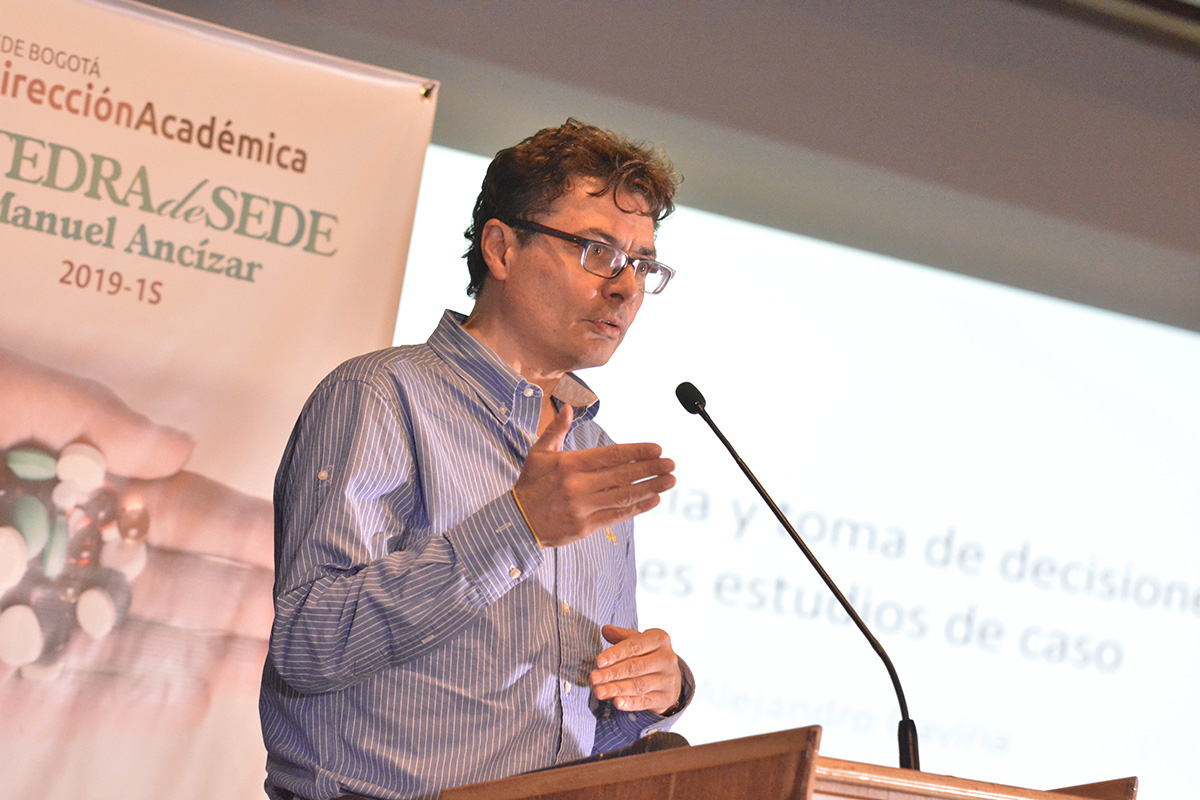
(496, 383)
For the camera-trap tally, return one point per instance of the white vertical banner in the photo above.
(195, 226)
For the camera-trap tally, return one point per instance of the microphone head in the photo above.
(689, 397)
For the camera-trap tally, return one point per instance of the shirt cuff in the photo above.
(629, 726)
(496, 547)
(686, 692)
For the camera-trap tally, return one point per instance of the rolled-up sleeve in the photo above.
(351, 598)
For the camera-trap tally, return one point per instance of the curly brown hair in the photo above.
(524, 180)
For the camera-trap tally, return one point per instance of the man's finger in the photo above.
(638, 702)
(640, 670)
(613, 455)
(618, 513)
(631, 474)
(627, 643)
(552, 439)
(625, 496)
(614, 634)
(615, 487)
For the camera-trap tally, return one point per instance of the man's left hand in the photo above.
(639, 672)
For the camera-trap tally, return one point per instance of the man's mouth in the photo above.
(610, 326)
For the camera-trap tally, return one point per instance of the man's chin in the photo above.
(596, 357)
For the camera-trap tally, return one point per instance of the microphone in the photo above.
(693, 402)
(691, 399)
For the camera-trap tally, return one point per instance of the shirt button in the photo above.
(528, 391)
(514, 573)
(323, 475)
(566, 687)
(566, 608)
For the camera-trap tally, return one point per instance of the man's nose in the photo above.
(624, 285)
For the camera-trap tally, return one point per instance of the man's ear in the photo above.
(497, 243)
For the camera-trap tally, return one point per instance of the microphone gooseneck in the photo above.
(693, 402)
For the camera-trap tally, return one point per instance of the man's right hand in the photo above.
(566, 496)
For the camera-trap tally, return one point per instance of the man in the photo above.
(453, 529)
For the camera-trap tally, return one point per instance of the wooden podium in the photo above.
(771, 766)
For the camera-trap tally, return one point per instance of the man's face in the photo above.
(563, 317)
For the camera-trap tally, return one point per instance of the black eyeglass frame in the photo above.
(536, 227)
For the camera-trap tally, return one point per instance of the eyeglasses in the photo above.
(606, 261)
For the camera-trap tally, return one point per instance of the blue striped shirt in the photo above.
(422, 639)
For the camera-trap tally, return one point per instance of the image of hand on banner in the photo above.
(130, 588)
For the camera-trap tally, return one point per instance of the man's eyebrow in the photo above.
(603, 236)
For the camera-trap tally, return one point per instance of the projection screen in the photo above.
(1003, 484)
